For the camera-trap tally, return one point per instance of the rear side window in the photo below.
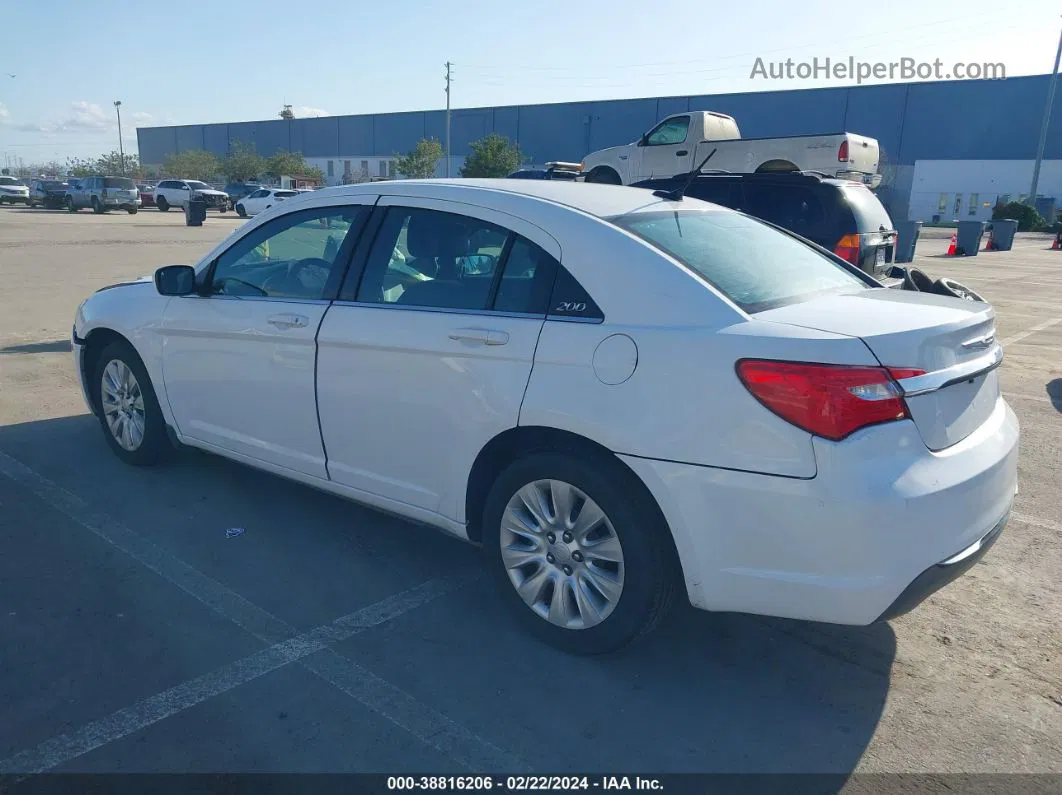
(717, 191)
(118, 183)
(526, 280)
(571, 301)
(283, 194)
(755, 266)
(790, 207)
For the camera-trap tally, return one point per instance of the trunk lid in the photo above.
(952, 340)
(862, 154)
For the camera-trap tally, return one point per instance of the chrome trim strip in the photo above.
(271, 298)
(964, 371)
(438, 309)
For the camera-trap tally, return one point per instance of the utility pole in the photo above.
(1045, 125)
(121, 151)
(448, 80)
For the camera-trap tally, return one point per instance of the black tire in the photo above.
(952, 288)
(70, 206)
(156, 444)
(96, 206)
(31, 204)
(132, 210)
(162, 204)
(224, 208)
(649, 574)
(604, 176)
(241, 211)
(917, 281)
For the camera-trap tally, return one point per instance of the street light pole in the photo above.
(121, 151)
(448, 79)
(1045, 125)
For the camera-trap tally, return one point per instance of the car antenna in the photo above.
(677, 194)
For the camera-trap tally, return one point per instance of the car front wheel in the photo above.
(580, 553)
(128, 408)
(70, 206)
(162, 204)
(241, 211)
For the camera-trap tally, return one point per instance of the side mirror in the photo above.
(175, 280)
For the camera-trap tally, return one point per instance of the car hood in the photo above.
(127, 283)
(212, 192)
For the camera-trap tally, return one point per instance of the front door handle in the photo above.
(682, 152)
(484, 336)
(288, 321)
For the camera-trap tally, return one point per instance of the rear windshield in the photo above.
(284, 193)
(120, 183)
(870, 213)
(755, 266)
(53, 185)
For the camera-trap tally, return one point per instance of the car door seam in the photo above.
(316, 398)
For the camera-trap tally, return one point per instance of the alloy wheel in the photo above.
(123, 405)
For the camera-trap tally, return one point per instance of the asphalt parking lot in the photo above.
(138, 636)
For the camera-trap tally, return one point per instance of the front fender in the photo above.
(617, 158)
(134, 311)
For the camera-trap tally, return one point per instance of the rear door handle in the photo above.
(288, 321)
(682, 152)
(483, 336)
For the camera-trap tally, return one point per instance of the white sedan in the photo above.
(621, 397)
(262, 199)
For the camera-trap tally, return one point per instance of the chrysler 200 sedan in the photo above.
(621, 397)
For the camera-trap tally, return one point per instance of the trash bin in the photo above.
(1003, 232)
(907, 233)
(969, 237)
(195, 212)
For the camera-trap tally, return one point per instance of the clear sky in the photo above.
(189, 62)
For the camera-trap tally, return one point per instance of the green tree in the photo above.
(493, 156)
(80, 167)
(313, 172)
(286, 164)
(422, 161)
(242, 163)
(112, 164)
(192, 164)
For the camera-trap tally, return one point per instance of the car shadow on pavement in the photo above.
(705, 693)
(1054, 391)
(54, 346)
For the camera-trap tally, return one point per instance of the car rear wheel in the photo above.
(132, 210)
(604, 175)
(96, 206)
(128, 408)
(162, 204)
(70, 206)
(579, 553)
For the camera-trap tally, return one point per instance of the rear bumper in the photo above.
(842, 547)
(937, 576)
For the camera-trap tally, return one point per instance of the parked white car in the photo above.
(622, 397)
(177, 192)
(679, 143)
(13, 190)
(262, 199)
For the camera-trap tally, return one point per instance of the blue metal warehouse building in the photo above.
(950, 148)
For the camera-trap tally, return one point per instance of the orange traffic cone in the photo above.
(990, 243)
(954, 242)
(1058, 242)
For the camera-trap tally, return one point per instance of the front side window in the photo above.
(291, 257)
(669, 131)
(755, 266)
(259, 194)
(196, 185)
(431, 258)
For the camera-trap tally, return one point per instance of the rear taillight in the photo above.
(827, 400)
(842, 152)
(847, 248)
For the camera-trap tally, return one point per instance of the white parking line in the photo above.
(1029, 332)
(1032, 520)
(286, 645)
(65, 747)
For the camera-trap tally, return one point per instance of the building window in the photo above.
(346, 168)
(365, 167)
(942, 205)
(973, 204)
(383, 168)
(331, 168)
(958, 204)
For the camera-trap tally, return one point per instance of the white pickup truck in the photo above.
(679, 143)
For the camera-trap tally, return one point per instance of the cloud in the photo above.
(5, 115)
(83, 117)
(304, 112)
(141, 117)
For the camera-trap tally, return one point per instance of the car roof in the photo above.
(603, 201)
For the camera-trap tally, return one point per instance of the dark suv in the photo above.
(839, 215)
(240, 190)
